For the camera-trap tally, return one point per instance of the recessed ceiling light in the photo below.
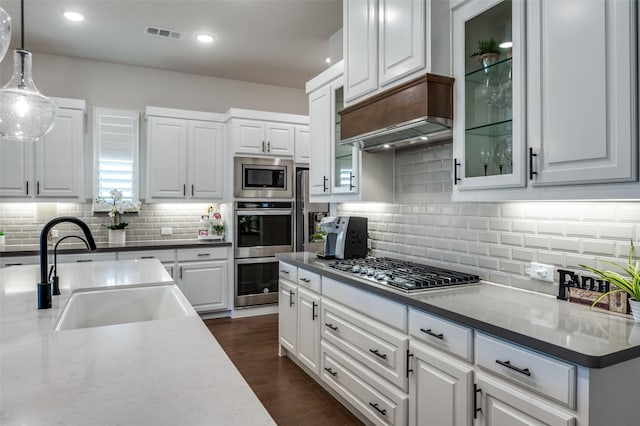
(424, 138)
(506, 45)
(205, 38)
(386, 146)
(73, 16)
(327, 60)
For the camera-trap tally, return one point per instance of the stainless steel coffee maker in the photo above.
(346, 237)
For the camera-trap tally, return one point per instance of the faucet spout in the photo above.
(44, 286)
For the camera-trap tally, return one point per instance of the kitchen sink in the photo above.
(121, 305)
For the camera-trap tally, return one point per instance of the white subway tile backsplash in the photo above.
(488, 263)
(599, 247)
(500, 225)
(551, 257)
(489, 237)
(511, 239)
(536, 241)
(581, 229)
(512, 210)
(545, 227)
(565, 244)
(525, 226)
(511, 267)
(624, 231)
(523, 255)
(500, 251)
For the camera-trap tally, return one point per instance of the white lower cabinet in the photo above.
(287, 316)
(440, 388)
(203, 278)
(393, 364)
(375, 398)
(502, 404)
(204, 284)
(309, 329)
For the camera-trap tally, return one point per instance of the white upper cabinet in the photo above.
(50, 168)
(582, 78)
(401, 39)
(387, 42)
(204, 144)
(567, 130)
(360, 44)
(263, 133)
(184, 155)
(341, 172)
(302, 145)
(320, 124)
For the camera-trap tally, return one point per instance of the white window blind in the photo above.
(116, 134)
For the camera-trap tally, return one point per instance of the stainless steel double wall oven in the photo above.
(263, 223)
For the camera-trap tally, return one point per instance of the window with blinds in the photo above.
(116, 146)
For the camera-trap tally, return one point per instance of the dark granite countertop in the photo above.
(34, 249)
(569, 331)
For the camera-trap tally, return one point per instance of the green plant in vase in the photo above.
(491, 46)
(627, 281)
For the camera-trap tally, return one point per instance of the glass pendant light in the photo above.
(25, 114)
(5, 32)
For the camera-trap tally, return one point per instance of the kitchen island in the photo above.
(161, 372)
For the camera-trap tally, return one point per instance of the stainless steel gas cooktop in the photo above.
(404, 275)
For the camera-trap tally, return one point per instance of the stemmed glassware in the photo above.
(486, 155)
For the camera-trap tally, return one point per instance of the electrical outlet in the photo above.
(166, 231)
(540, 271)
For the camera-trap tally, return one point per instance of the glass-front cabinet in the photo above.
(343, 156)
(489, 94)
(332, 166)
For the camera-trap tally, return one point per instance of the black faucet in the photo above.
(55, 282)
(44, 286)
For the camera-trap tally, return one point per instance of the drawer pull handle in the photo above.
(377, 353)
(330, 371)
(507, 364)
(284, 272)
(291, 293)
(331, 326)
(147, 257)
(431, 333)
(83, 260)
(305, 280)
(204, 254)
(314, 305)
(409, 370)
(383, 412)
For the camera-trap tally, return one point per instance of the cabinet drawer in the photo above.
(384, 310)
(548, 376)
(440, 333)
(375, 345)
(288, 272)
(202, 254)
(377, 400)
(309, 280)
(162, 255)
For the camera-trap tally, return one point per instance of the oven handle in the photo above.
(244, 261)
(266, 212)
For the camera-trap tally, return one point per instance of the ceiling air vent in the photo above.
(164, 33)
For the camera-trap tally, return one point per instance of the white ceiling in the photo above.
(281, 42)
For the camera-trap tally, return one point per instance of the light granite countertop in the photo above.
(569, 331)
(163, 372)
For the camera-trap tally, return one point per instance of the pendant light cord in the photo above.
(22, 23)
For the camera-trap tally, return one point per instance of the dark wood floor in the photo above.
(290, 395)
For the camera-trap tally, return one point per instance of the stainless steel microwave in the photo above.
(263, 177)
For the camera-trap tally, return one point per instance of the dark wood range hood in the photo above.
(418, 111)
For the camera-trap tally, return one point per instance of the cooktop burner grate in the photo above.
(407, 276)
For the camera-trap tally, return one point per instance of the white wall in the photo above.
(113, 85)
